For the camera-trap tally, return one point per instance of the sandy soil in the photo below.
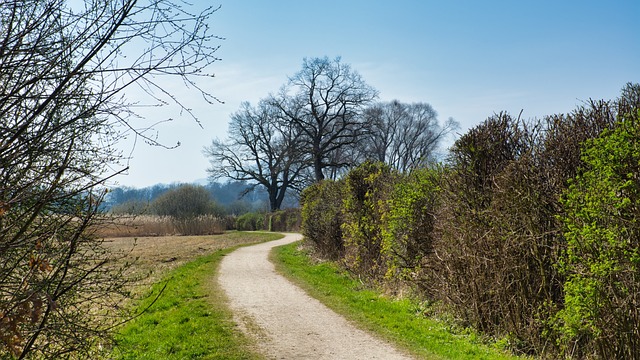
(287, 323)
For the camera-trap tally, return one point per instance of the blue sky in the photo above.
(468, 59)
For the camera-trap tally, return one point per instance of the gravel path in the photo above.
(287, 323)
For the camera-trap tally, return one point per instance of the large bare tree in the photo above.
(261, 150)
(325, 100)
(405, 136)
(64, 69)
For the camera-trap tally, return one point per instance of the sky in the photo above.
(468, 59)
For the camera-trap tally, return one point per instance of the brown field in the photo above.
(152, 257)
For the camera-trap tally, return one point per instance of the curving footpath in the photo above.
(286, 322)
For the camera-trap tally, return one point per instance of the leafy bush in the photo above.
(285, 220)
(499, 236)
(367, 192)
(408, 232)
(492, 236)
(322, 217)
(602, 259)
(251, 222)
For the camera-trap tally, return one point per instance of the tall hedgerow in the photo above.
(602, 261)
(322, 217)
(285, 220)
(367, 191)
(408, 228)
(474, 257)
(484, 235)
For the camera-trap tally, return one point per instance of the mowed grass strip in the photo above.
(395, 320)
(190, 319)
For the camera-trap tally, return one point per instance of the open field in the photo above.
(154, 256)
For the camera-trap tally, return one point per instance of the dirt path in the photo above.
(288, 323)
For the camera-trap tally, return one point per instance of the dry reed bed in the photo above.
(149, 225)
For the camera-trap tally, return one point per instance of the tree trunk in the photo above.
(317, 168)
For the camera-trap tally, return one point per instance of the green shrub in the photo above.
(251, 222)
(367, 192)
(485, 234)
(322, 218)
(408, 231)
(287, 220)
(602, 259)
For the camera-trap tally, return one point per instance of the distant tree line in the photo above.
(529, 232)
(324, 121)
(230, 198)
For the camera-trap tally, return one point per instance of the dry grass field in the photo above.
(152, 225)
(154, 256)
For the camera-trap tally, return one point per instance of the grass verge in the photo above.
(190, 320)
(396, 320)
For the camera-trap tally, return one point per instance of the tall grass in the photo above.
(152, 225)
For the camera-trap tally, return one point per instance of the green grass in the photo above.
(190, 320)
(396, 320)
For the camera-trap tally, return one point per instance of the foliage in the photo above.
(287, 220)
(408, 227)
(366, 196)
(497, 243)
(602, 259)
(499, 238)
(477, 261)
(402, 321)
(484, 235)
(320, 124)
(251, 222)
(322, 217)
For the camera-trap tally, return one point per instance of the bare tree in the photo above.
(405, 136)
(260, 149)
(63, 72)
(325, 100)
